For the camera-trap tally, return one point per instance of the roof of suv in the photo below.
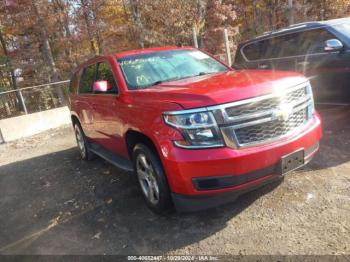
(149, 50)
(127, 53)
(300, 27)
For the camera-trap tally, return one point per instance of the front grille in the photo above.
(263, 119)
(266, 104)
(253, 108)
(270, 130)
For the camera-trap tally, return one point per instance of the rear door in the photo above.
(281, 52)
(84, 103)
(274, 53)
(251, 56)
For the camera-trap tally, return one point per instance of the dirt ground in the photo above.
(51, 202)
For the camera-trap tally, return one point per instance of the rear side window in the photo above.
(87, 79)
(74, 82)
(275, 47)
(255, 50)
(282, 46)
(104, 72)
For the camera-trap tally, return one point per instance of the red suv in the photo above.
(195, 132)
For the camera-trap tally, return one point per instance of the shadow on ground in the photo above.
(93, 208)
(335, 143)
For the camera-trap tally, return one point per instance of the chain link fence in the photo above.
(33, 99)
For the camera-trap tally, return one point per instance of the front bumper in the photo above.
(225, 170)
(191, 203)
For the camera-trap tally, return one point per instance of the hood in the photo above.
(220, 88)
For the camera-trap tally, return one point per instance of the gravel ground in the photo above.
(51, 202)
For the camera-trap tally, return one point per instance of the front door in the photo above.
(328, 71)
(107, 125)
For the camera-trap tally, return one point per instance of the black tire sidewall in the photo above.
(164, 204)
(86, 144)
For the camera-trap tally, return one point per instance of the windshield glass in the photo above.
(343, 29)
(145, 70)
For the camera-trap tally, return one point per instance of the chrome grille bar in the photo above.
(258, 120)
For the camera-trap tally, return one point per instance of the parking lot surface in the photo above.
(52, 202)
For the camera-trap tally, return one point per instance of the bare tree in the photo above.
(291, 12)
(60, 9)
(136, 18)
(12, 73)
(47, 50)
(85, 9)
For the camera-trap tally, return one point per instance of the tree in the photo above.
(47, 50)
(219, 15)
(138, 29)
(11, 72)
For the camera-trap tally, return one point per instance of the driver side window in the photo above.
(104, 72)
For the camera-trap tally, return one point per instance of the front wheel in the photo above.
(151, 179)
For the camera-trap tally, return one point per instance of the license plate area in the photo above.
(291, 162)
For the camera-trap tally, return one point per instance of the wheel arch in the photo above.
(133, 137)
(75, 120)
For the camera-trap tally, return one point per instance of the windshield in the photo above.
(344, 29)
(145, 70)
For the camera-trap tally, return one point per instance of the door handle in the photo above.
(263, 66)
(303, 63)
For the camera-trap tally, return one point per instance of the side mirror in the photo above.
(101, 86)
(333, 45)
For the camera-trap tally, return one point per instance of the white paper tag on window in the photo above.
(198, 55)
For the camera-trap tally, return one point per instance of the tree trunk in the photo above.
(97, 31)
(19, 96)
(138, 26)
(47, 51)
(63, 20)
(88, 27)
(255, 18)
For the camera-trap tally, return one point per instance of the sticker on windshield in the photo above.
(198, 55)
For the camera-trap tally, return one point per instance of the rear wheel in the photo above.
(82, 142)
(151, 179)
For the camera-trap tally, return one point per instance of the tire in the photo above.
(82, 143)
(151, 179)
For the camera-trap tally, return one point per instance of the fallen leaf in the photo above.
(97, 236)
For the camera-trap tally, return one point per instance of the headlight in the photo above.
(199, 129)
(311, 107)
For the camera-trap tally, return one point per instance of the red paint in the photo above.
(107, 118)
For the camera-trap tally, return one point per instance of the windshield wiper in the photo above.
(161, 82)
(205, 73)
(176, 78)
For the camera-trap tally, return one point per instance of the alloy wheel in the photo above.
(147, 178)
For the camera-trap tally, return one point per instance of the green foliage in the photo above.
(3, 60)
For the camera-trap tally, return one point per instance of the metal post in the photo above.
(22, 101)
(291, 12)
(227, 48)
(2, 140)
(195, 40)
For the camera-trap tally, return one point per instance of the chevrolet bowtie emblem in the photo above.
(283, 112)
